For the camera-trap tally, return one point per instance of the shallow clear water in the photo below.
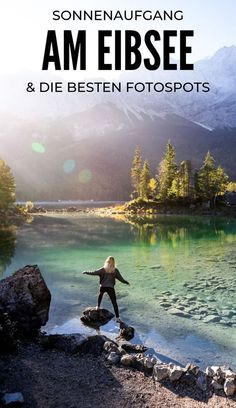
(183, 263)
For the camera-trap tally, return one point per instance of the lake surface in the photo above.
(182, 271)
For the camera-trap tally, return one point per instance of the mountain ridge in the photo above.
(215, 109)
(97, 134)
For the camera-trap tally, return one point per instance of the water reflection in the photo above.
(166, 260)
(181, 241)
(175, 230)
(7, 247)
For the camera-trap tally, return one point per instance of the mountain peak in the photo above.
(225, 52)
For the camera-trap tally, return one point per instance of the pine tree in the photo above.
(136, 171)
(196, 185)
(145, 180)
(153, 184)
(211, 180)
(7, 186)
(175, 190)
(166, 172)
(185, 178)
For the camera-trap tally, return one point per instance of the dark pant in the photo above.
(112, 294)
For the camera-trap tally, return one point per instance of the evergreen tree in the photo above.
(153, 185)
(136, 171)
(7, 186)
(167, 172)
(211, 180)
(185, 178)
(145, 180)
(196, 185)
(175, 190)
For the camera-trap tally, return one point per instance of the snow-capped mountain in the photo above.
(215, 109)
(98, 132)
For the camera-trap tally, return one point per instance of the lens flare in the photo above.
(69, 166)
(85, 176)
(38, 147)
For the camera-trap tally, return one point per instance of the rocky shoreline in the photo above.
(33, 364)
(141, 208)
(214, 378)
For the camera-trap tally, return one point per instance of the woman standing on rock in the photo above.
(108, 275)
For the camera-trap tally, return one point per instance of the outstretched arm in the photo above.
(97, 272)
(120, 277)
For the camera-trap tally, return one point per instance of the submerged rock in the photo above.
(179, 313)
(95, 318)
(26, 299)
(165, 304)
(212, 319)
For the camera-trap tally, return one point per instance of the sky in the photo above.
(24, 25)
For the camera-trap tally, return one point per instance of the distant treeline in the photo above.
(178, 181)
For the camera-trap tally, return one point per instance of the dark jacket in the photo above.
(108, 279)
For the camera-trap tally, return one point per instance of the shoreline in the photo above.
(130, 211)
(121, 211)
(51, 377)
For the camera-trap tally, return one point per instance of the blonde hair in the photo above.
(110, 264)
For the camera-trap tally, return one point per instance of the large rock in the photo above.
(95, 318)
(26, 299)
(75, 343)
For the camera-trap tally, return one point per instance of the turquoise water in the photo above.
(182, 296)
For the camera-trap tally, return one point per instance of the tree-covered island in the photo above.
(177, 184)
